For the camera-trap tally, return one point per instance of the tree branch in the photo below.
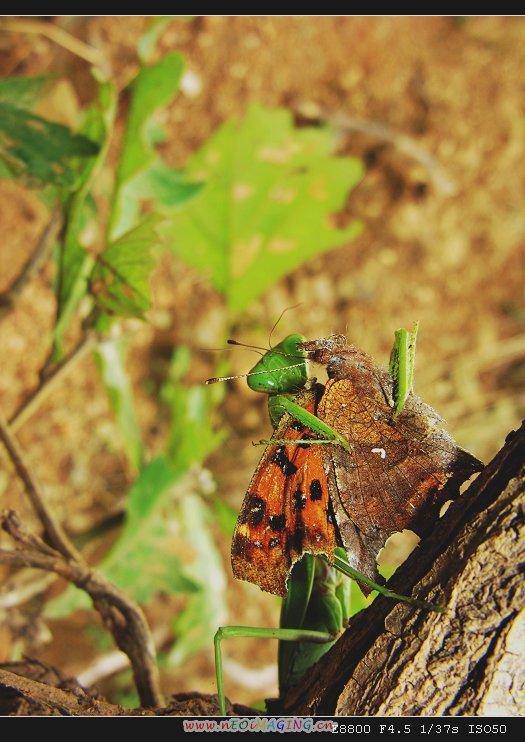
(74, 701)
(123, 618)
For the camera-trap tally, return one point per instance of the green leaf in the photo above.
(225, 516)
(166, 186)
(39, 149)
(148, 40)
(22, 92)
(266, 204)
(119, 281)
(153, 88)
(74, 262)
(111, 356)
(191, 437)
(196, 625)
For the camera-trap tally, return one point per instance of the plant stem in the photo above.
(35, 399)
(33, 265)
(53, 530)
(68, 703)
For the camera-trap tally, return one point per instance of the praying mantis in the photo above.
(317, 606)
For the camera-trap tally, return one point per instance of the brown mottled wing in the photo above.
(286, 510)
(392, 478)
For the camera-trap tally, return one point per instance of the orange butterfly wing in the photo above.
(393, 476)
(286, 511)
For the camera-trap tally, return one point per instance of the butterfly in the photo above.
(307, 498)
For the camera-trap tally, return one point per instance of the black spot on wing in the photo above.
(280, 457)
(299, 500)
(316, 491)
(256, 508)
(296, 425)
(277, 522)
(297, 538)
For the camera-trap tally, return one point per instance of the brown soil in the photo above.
(443, 244)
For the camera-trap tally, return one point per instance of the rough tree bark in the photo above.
(395, 660)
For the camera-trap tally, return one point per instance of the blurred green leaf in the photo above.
(22, 92)
(266, 204)
(148, 40)
(72, 599)
(119, 281)
(357, 600)
(74, 262)
(166, 186)
(226, 516)
(111, 356)
(191, 437)
(197, 623)
(153, 88)
(147, 494)
(39, 149)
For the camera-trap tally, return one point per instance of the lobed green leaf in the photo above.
(119, 281)
(268, 194)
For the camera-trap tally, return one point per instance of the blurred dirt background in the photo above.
(435, 109)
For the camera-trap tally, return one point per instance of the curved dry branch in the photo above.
(121, 615)
(53, 530)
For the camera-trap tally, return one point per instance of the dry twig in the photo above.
(33, 265)
(35, 399)
(55, 34)
(121, 615)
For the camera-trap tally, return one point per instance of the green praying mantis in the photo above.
(317, 606)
